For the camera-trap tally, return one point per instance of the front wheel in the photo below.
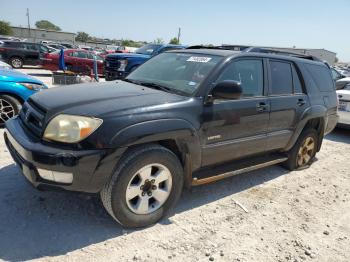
(16, 62)
(304, 150)
(145, 187)
(9, 107)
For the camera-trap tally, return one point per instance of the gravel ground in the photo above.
(292, 216)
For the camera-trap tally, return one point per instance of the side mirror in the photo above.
(228, 89)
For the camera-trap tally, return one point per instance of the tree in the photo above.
(82, 37)
(174, 41)
(47, 25)
(130, 43)
(5, 28)
(158, 41)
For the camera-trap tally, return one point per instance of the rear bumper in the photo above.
(332, 121)
(90, 168)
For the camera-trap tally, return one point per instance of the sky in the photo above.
(279, 23)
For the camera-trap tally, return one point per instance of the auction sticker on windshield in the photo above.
(199, 59)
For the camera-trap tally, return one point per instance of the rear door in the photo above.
(288, 100)
(31, 53)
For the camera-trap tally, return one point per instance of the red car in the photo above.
(76, 60)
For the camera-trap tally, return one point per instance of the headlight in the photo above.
(123, 64)
(32, 86)
(71, 129)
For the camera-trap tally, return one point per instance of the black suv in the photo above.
(184, 118)
(18, 53)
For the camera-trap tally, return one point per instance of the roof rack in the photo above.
(251, 49)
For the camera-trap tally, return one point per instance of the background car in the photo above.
(18, 54)
(118, 66)
(76, 60)
(15, 88)
(344, 106)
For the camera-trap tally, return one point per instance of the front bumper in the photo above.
(114, 74)
(90, 168)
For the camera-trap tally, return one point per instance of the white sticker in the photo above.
(192, 83)
(199, 59)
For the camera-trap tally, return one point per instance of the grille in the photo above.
(32, 117)
(112, 63)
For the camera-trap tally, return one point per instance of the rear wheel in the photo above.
(145, 187)
(16, 62)
(304, 150)
(9, 107)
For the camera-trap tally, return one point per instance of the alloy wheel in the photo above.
(306, 151)
(6, 111)
(16, 63)
(148, 189)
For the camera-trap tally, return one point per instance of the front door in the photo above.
(235, 129)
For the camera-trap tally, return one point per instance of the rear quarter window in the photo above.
(321, 77)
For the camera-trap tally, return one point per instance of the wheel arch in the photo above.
(14, 95)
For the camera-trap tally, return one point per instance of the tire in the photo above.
(16, 62)
(303, 152)
(9, 107)
(127, 209)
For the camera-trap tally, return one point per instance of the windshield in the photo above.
(179, 72)
(147, 49)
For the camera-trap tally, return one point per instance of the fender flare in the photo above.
(313, 112)
(181, 131)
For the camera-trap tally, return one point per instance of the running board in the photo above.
(240, 170)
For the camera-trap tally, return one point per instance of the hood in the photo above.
(101, 99)
(16, 76)
(127, 55)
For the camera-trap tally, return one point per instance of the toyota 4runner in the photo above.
(184, 118)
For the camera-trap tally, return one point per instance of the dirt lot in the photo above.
(292, 216)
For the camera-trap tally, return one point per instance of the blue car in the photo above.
(119, 65)
(15, 88)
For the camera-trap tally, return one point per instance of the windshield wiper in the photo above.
(156, 86)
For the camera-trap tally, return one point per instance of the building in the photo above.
(322, 54)
(37, 35)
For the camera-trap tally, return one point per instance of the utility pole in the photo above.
(178, 35)
(28, 22)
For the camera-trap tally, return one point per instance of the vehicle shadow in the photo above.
(40, 74)
(36, 224)
(339, 135)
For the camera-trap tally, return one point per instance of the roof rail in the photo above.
(251, 49)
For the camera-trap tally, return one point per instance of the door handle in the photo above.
(301, 102)
(262, 107)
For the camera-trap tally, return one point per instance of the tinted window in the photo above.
(31, 47)
(335, 74)
(12, 44)
(296, 81)
(321, 76)
(281, 78)
(81, 54)
(168, 49)
(249, 72)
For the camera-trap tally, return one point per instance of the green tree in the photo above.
(47, 25)
(158, 41)
(5, 28)
(174, 41)
(130, 43)
(82, 37)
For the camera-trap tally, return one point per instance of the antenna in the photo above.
(28, 21)
(178, 35)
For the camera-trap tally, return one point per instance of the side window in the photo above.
(335, 74)
(82, 55)
(296, 82)
(281, 78)
(321, 76)
(249, 72)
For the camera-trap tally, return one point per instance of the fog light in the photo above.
(59, 177)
